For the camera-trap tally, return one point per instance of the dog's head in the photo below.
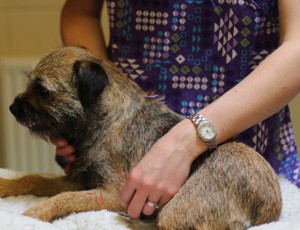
(63, 88)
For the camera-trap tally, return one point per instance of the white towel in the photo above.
(11, 210)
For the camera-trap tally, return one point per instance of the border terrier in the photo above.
(73, 94)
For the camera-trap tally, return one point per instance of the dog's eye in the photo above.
(43, 91)
(40, 90)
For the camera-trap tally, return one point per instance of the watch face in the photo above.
(207, 131)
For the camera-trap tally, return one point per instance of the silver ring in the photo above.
(152, 205)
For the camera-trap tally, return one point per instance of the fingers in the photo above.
(151, 205)
(59, 142)
(127, 194)
(134, 194)
(64, 153)
(64, 149)
(141, 200)
(151, 185)
(142, 195)
(136, 205)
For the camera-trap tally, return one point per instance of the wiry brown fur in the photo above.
(73, 94)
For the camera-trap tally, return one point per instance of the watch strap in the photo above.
(197, 119)
(212, 144)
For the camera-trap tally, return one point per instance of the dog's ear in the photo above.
(90, 79)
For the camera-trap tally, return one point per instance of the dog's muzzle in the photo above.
(17, 107)
(20, 108)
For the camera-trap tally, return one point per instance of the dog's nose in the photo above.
(16, 107)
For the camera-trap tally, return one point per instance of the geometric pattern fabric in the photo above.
(192, 52)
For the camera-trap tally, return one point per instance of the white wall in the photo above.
(295, 112)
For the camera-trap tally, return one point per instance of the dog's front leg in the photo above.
(68, 202)
(37, 185)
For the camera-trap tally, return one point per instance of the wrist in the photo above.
(186, 134)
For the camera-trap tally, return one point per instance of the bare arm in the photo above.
(80, 25)
(268, 88)
(265, 91)
(159, 175)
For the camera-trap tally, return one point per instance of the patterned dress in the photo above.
(193, 51)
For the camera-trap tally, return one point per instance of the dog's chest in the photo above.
(94, 172)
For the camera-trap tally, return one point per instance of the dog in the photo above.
(107, 118)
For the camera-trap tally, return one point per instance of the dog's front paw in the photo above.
(6, 188)
(42, 212)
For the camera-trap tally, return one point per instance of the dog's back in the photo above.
(231, 188)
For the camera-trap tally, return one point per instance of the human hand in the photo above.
(64, 153)
(161, 172)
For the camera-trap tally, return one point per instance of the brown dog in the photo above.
(73, 94)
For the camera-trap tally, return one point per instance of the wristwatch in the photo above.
(206, 131)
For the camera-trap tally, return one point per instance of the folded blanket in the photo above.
(11, 209)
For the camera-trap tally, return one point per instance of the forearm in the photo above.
(80, 25)
(264, 92)
(261, 94)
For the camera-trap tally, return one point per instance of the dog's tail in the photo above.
(140, 224)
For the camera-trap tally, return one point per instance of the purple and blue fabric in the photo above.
(192, 52)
